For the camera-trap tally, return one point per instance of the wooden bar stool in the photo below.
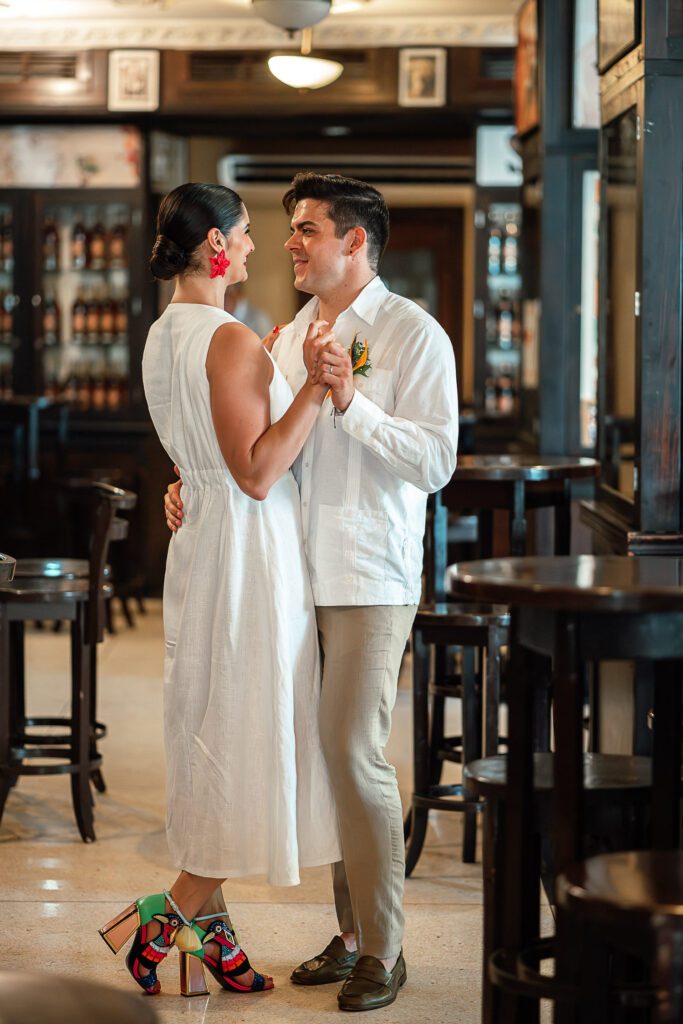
(633, 903)
(481, 631)
(618, 793)
(81, 602)
(104, 501)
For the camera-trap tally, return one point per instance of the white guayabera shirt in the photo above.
(364, 477)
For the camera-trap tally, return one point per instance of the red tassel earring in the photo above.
(219, 264)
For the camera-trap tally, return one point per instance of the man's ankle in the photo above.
(389, 962)
(349, 940)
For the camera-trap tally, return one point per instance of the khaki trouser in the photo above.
(362, 650)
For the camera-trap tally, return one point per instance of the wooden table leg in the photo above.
(421, 752)
(491, 686)
(80, 728)
(5, 741)
(471, 744)
(568, 795)
(563, 522)
(518, 520)
(666, 756)
(519, 869)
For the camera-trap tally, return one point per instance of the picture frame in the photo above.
(422, 76)
(585, 77)
(527, 105)
(133, 80)
(618, 30)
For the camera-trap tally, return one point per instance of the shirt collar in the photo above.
(366, 305)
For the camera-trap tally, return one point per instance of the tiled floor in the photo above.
(57, 891)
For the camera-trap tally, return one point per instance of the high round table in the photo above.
(576, 609)
(516, 483)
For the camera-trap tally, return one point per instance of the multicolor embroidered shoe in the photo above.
(227, 968)
(158, 925)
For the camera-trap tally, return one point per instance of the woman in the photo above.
(247, 786)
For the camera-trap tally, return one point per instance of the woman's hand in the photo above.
(173, 505)
(317, 336)
(272, 337)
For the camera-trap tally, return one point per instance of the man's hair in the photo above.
(352, 204)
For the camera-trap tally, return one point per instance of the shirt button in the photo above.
(306, 465)
(305, 504)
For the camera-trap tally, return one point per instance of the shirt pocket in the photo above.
(378, 387)
(351, 541)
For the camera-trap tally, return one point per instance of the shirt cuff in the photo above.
(362, 417)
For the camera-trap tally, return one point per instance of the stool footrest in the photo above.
(447, 798)
(19, 755)
(525, 979)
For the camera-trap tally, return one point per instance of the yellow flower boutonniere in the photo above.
(359, 352)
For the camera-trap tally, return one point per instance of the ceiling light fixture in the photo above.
(292, 14)
(301, 71)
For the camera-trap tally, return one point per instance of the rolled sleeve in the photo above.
(362, 417)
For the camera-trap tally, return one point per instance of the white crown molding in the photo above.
(248, 34)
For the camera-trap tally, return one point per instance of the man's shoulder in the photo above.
(410, 312)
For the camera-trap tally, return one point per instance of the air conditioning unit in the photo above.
(240, 169)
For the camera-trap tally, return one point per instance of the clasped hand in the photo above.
(329, 364)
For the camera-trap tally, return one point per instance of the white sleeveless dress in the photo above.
(247, 786)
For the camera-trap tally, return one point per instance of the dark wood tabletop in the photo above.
(523, 467)
(578, 583)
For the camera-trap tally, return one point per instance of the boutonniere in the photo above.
(360, 356)
(359, 353)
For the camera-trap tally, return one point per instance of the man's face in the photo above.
(320, 258)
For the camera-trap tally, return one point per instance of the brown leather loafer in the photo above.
(370, 985)
(334, 964)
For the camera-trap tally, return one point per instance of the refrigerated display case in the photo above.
(498, 303)
(75, 291)
(72, 322)
(7, 298)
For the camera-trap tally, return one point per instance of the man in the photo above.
(385, 437)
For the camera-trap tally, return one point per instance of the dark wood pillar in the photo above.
(565, 152)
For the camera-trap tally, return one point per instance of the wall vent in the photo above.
(242, 169)
(22, 67)
(498, 65)
(252, 68)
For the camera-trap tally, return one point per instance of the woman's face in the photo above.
(239, 248)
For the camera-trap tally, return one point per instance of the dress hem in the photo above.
(247, 872)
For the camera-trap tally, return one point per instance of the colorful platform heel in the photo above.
(233, 960)
(156, 930)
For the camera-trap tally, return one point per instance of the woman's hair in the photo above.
(185, 217)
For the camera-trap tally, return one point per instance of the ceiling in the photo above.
(228, 24)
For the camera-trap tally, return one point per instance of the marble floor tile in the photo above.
(57, 891)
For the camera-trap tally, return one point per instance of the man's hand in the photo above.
(173, 505)
(317, 336)
(336, 371)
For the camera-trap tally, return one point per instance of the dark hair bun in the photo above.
(167, 259)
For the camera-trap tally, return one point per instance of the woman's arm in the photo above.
(256, 452)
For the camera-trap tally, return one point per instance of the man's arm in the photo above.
(419, 441)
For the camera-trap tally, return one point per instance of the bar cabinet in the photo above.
(638, 506)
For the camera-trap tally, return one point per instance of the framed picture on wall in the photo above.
(585, 79)
(527, 111)
(133, 80)
(422, 77)
(618, 29)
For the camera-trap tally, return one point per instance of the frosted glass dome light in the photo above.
(301, 72)
(292, 14)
